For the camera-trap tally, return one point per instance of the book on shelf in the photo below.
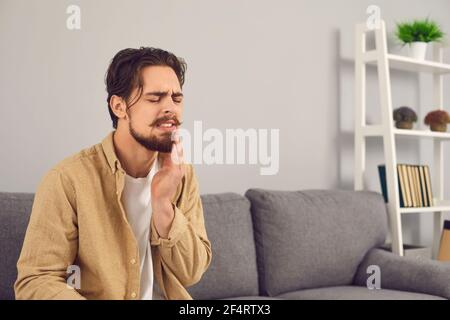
(414, 185)
(444, 250)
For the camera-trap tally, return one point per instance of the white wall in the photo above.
(251, 64)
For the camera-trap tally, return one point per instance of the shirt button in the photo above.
(133, 294)
(133, 261)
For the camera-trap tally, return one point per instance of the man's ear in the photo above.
(118, 107)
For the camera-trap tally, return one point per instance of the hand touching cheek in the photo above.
(164, 186)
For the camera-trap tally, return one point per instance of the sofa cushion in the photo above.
(15, 210)
(355, 293)
(414, 274)
(313, 238)
(233, 271)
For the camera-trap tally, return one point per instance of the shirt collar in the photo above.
(110, 153)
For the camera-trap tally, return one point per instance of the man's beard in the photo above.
(153, 143)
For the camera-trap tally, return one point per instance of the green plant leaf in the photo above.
(424, 30)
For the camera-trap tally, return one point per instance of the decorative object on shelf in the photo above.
(437, 120)
(404, 117)
(417, 34)
(444, 251)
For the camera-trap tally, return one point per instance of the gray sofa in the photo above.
(313, 244)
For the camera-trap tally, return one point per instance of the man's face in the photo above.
(157, 113)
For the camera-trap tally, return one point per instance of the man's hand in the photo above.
(164, 186)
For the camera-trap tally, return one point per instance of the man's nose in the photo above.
(169, 106)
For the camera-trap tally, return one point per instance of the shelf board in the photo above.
(439, 207)
(413, 65)
(377, 131)
(423, 133)
(409, 64)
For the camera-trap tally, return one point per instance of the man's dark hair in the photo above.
(124, 72)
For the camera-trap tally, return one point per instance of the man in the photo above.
(126, 213)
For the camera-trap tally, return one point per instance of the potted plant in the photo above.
(437, 120)
(404, 117)
(417, 34)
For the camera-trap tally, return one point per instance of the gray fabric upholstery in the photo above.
(355, 293)
(407, 273)
(305, 239)
(233, 270)
(314, 238)
(15, 210)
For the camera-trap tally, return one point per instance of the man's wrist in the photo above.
(163, 206)
(163, 215)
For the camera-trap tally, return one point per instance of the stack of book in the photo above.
(414, 185)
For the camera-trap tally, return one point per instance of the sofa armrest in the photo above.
(406, 273)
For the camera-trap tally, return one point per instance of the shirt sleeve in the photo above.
(51, 242)
(187, 251)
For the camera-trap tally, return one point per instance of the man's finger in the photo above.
(166, 159)
(174, 154)
(180, 152)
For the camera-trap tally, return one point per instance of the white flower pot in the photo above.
(418, 50)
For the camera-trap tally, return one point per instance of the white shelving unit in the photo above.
(386, 130)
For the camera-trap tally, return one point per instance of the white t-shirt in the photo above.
(136, 198)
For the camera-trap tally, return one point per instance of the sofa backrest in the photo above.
(314, 238)
(233, 270)
(15, 209)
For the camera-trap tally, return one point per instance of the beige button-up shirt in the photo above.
(78, 219)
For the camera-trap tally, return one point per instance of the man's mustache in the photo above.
(166, 118)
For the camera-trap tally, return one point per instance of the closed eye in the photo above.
(175, 99)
